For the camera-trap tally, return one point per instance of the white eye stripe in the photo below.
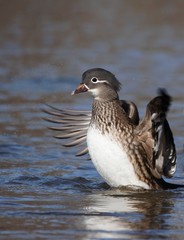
(104, 81)
(96, 80)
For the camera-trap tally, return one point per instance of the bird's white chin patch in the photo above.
(95, 93)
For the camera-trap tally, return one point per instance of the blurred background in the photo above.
(45, 46)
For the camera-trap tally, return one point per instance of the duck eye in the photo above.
(94, 80)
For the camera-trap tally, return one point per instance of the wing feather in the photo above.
(73, 125)
(131, 110)
(156, 136)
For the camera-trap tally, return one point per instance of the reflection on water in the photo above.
(45, 192)
(128, 214)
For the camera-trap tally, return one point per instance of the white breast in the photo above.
(111, 161)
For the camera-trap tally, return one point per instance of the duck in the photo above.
(126, 151)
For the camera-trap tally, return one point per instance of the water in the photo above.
(45, 192)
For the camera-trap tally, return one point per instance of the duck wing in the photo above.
(70, 124)
(156, 136)
(131, 110)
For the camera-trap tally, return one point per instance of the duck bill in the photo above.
(80, 89)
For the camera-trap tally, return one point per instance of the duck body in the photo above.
(108, 148)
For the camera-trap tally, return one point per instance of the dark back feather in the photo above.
(155, 127)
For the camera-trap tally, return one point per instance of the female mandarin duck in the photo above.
(124, 150)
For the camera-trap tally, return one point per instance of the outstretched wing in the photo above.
(156, 136)
(72, 125)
